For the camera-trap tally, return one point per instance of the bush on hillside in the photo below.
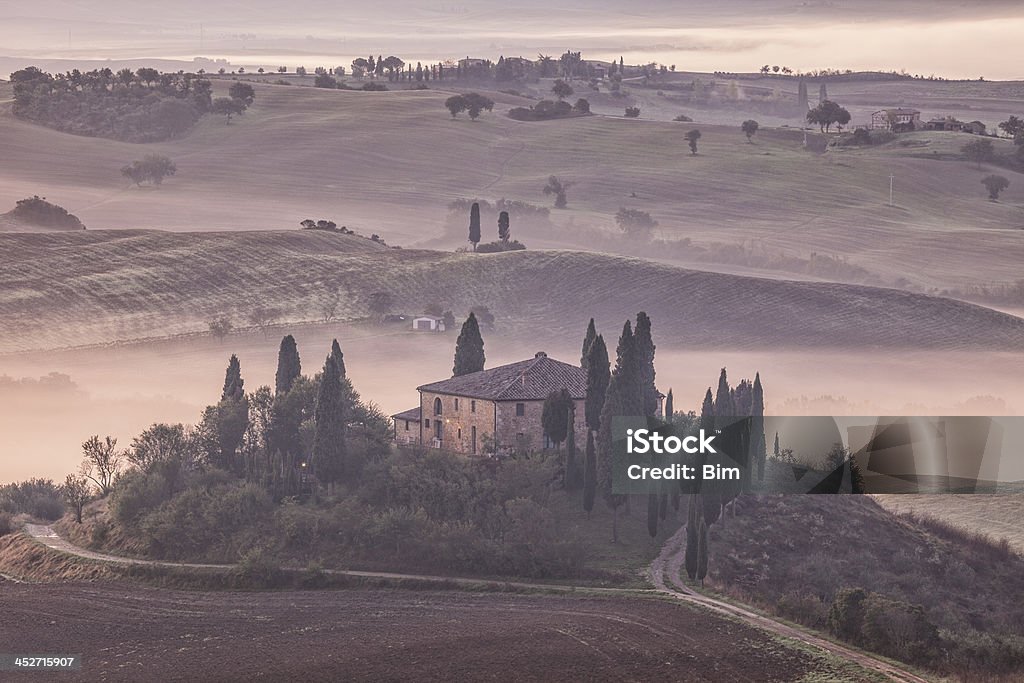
(499, 246)
(6, 523)
(546, 110)
(37, 211)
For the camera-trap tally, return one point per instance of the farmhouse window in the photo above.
(520, 409)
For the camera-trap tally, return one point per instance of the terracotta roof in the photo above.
(413, 415)
(898, 110)
(527, 380)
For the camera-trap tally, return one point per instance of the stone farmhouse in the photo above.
(495, 411)
(898, 120)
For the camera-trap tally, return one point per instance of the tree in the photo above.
(469, 349)
(228, 107)
(801, 96)
(242, 91)
(474, 225)
(645, 355)
(555, 416)
(557, 188)
(588, 339)
(624, 397)
(582, 106)
(702, 552)
(233, 382)
(749, 128)
(632, 112)
(148, 75)
(635, 223)
(380, 304)
(1013, 127)
(694, 518)
(263, 317)
(289, 366)
(995, 184)
(76, 492)
(572, 478)
(827, 114)
(152, 168)
(102, 462)
(220, 328)
(757, 426)
(339, 358)
(329, 427)
(652, 514)
(561, 89)
(504, 231)
(978, 151)
(692, 137)
(456, 104)
(325, 80)
(476, 104)
(589, 474)
(598, 378)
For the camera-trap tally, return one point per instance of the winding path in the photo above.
(665, 573)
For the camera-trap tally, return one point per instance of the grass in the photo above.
(995, 515)
(390, 162)
(119, 285)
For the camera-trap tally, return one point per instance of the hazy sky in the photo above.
(954, 39)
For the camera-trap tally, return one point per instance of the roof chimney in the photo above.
(540, 354)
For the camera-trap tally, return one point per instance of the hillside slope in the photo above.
(102, 286)
(390, 162)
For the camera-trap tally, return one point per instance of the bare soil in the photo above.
(158, 634)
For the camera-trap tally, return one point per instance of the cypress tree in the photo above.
(702, 552)
(652, 514)
(757, 427)
(693, 516)
(723, 400)
(233, 383)
(669, 408)
(469, 348)
(598, 378)
(801, 97)
(624, 397)
(232, 415)
(555, 416)
(571, 468)
(329, 425)
(474, 224)
(776, 445)
(822, 93)
(588, 339)
(589, 474)
(645, 350)
(504, 227)
(663, 501)
(339, 358)
(289, 367)
(710, 503)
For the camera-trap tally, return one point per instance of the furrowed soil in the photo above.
(158, 634)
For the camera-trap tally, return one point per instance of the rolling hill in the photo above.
(65, 289)
(390, 162)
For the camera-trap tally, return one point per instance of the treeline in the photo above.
(132, 106)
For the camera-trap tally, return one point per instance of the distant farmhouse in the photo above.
(492, 411)
(950, 124)
(897, 120)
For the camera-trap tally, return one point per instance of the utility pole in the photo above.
(891, 176)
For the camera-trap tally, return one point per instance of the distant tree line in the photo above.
(140, 106)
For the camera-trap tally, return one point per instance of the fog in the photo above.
(948, 39)
(121, 390)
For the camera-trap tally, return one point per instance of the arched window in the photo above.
(437, 406)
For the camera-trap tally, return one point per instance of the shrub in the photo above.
(136, 494)
(257, 569)
(37, 211)
(495, 247)
(684, 118)
(40, 498)
(632, 112)
(6, 523)
(545, 110)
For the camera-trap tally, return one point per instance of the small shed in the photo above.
(428, 323)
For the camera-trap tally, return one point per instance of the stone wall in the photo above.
(459, 415)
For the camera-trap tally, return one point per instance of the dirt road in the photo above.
(666, 576)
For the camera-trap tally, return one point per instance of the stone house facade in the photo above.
(496, 411)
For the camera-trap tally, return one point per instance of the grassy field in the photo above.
(118, 285)
(390, 162)
(996, 515)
